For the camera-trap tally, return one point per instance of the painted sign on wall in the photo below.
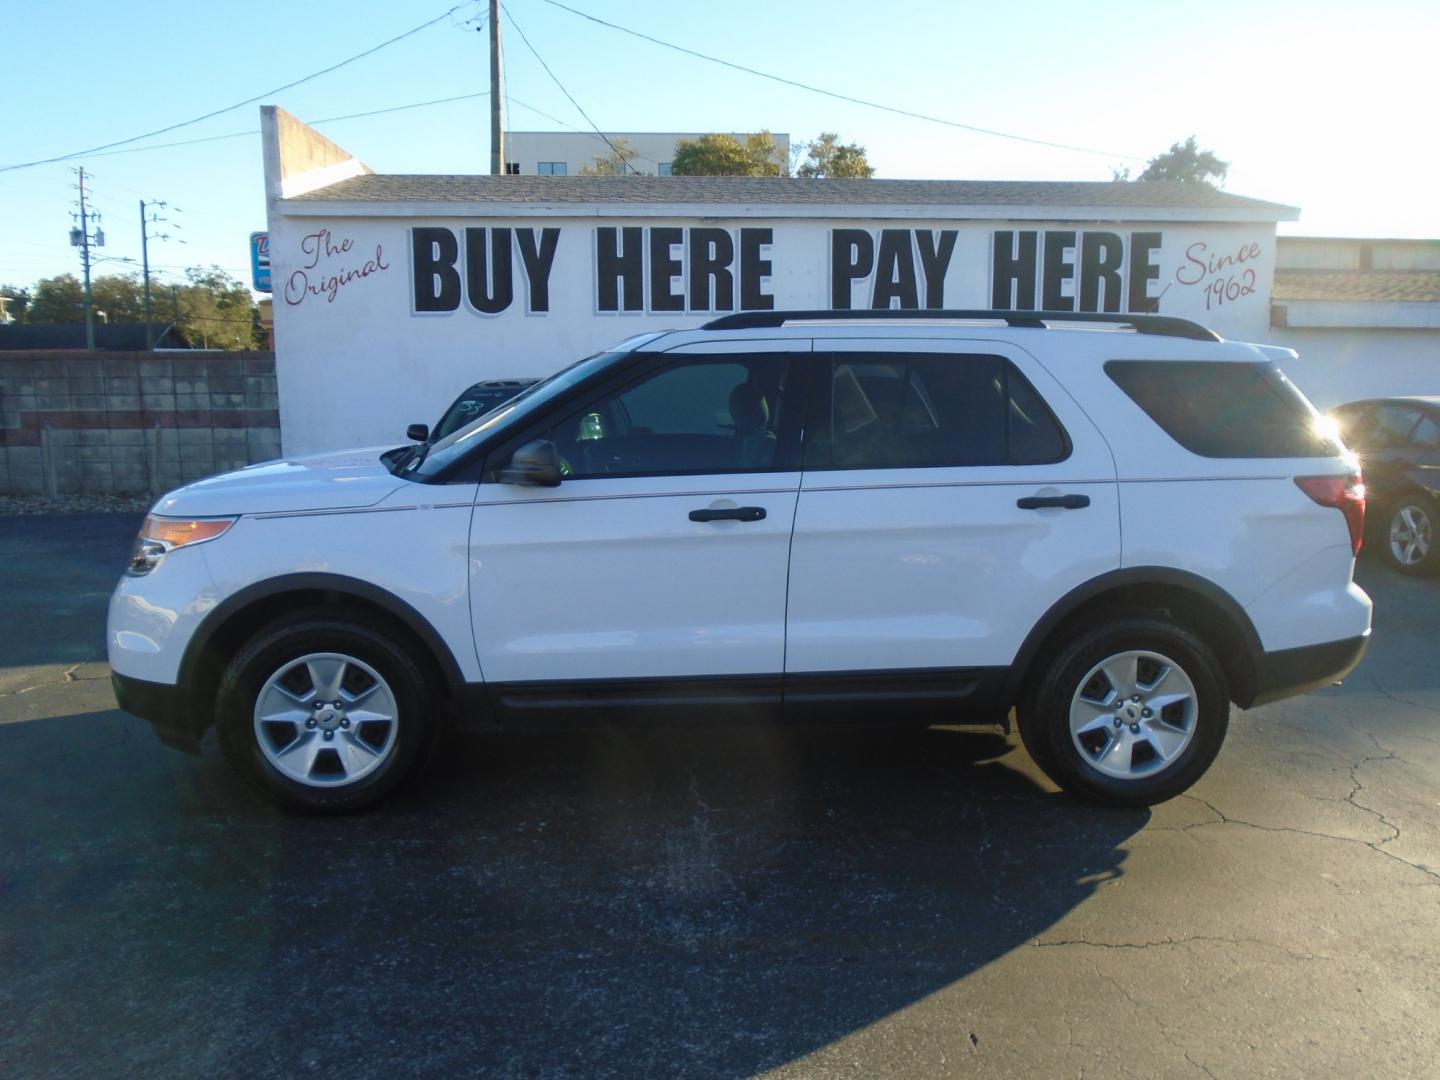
(331, 262)
(413, 309)
(706, 269)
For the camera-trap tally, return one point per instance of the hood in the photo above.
(351, 478)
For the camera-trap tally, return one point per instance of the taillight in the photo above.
(1344, 493)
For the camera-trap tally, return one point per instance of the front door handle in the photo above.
(1061, 502)
(738, 513)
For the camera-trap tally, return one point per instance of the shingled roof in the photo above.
(1358, 286)
(793, 191)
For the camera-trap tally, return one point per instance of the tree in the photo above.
(1185, 163)
(18, 302)
(58, 299)
(619, 162)
(215, 310)
(211, 309)
(120, 296)
(718, 154)
(827, 156)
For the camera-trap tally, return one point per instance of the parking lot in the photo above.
(804, 903)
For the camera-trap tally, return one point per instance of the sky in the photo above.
(1329, 107)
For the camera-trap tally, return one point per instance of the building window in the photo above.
(664, 168)
(552, 168)
(512, 168)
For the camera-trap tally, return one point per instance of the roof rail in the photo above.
(1162, 325)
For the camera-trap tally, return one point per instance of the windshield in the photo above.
(453, 446)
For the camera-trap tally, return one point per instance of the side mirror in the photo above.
(536, 464)
(418, 432)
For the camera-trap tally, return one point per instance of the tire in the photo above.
(1406, 536)
(1085, 729)
(287, 737)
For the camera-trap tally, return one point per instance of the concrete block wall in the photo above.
(132, 423)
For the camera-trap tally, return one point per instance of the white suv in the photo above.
(1117, 525)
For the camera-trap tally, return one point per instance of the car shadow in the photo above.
(615, 903)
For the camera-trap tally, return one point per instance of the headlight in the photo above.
(159, 535)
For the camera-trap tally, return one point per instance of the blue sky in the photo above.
(1326, 106)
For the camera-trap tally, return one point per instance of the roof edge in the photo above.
(303, 207)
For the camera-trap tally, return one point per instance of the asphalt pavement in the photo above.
(720, 903)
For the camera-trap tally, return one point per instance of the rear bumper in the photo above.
(1287, 672)
(163, 707)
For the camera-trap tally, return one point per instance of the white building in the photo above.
(393, 293)
(1364, 314)
(565, 153)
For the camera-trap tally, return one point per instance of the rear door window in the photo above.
(1427, 433)
(1225, 410)
(931, 410)
(1393, 424)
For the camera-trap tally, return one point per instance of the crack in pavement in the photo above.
(66, 676)
(1157, 1018)
(1376, 846)
(1209, 939)
(1357, 786)
(1379, 689)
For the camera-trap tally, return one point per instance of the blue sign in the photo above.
(260, 261)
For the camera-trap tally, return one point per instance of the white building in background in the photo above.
(1364, 312)
(394, 292)
(565, 153)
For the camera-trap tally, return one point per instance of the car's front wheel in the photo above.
(326, 713)
(1128, 712)
(1408, 541)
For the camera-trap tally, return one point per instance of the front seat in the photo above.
(754, 441)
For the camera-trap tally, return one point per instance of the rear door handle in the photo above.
(738, 513)
(1061, 502)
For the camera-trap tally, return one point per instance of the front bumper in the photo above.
(1287, 672)
(164, 707)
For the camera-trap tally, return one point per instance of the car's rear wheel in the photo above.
(328, 714)
(1408, 542)
(1128, 712)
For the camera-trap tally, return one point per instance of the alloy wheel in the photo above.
(1411, 534)
(326, 720)
(1133, 714)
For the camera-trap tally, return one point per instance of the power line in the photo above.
(348, 116)
(241, 104)
(182, 142)
(402, 108)
(326, 120)
(834, 93)
(613, 148)
(635, 155)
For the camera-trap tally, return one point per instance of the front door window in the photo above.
(696, 416)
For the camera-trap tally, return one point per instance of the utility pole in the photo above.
(497, 94)
(145, 275)
(80, 237)
(145, 222)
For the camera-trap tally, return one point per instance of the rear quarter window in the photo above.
(1225, 410)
